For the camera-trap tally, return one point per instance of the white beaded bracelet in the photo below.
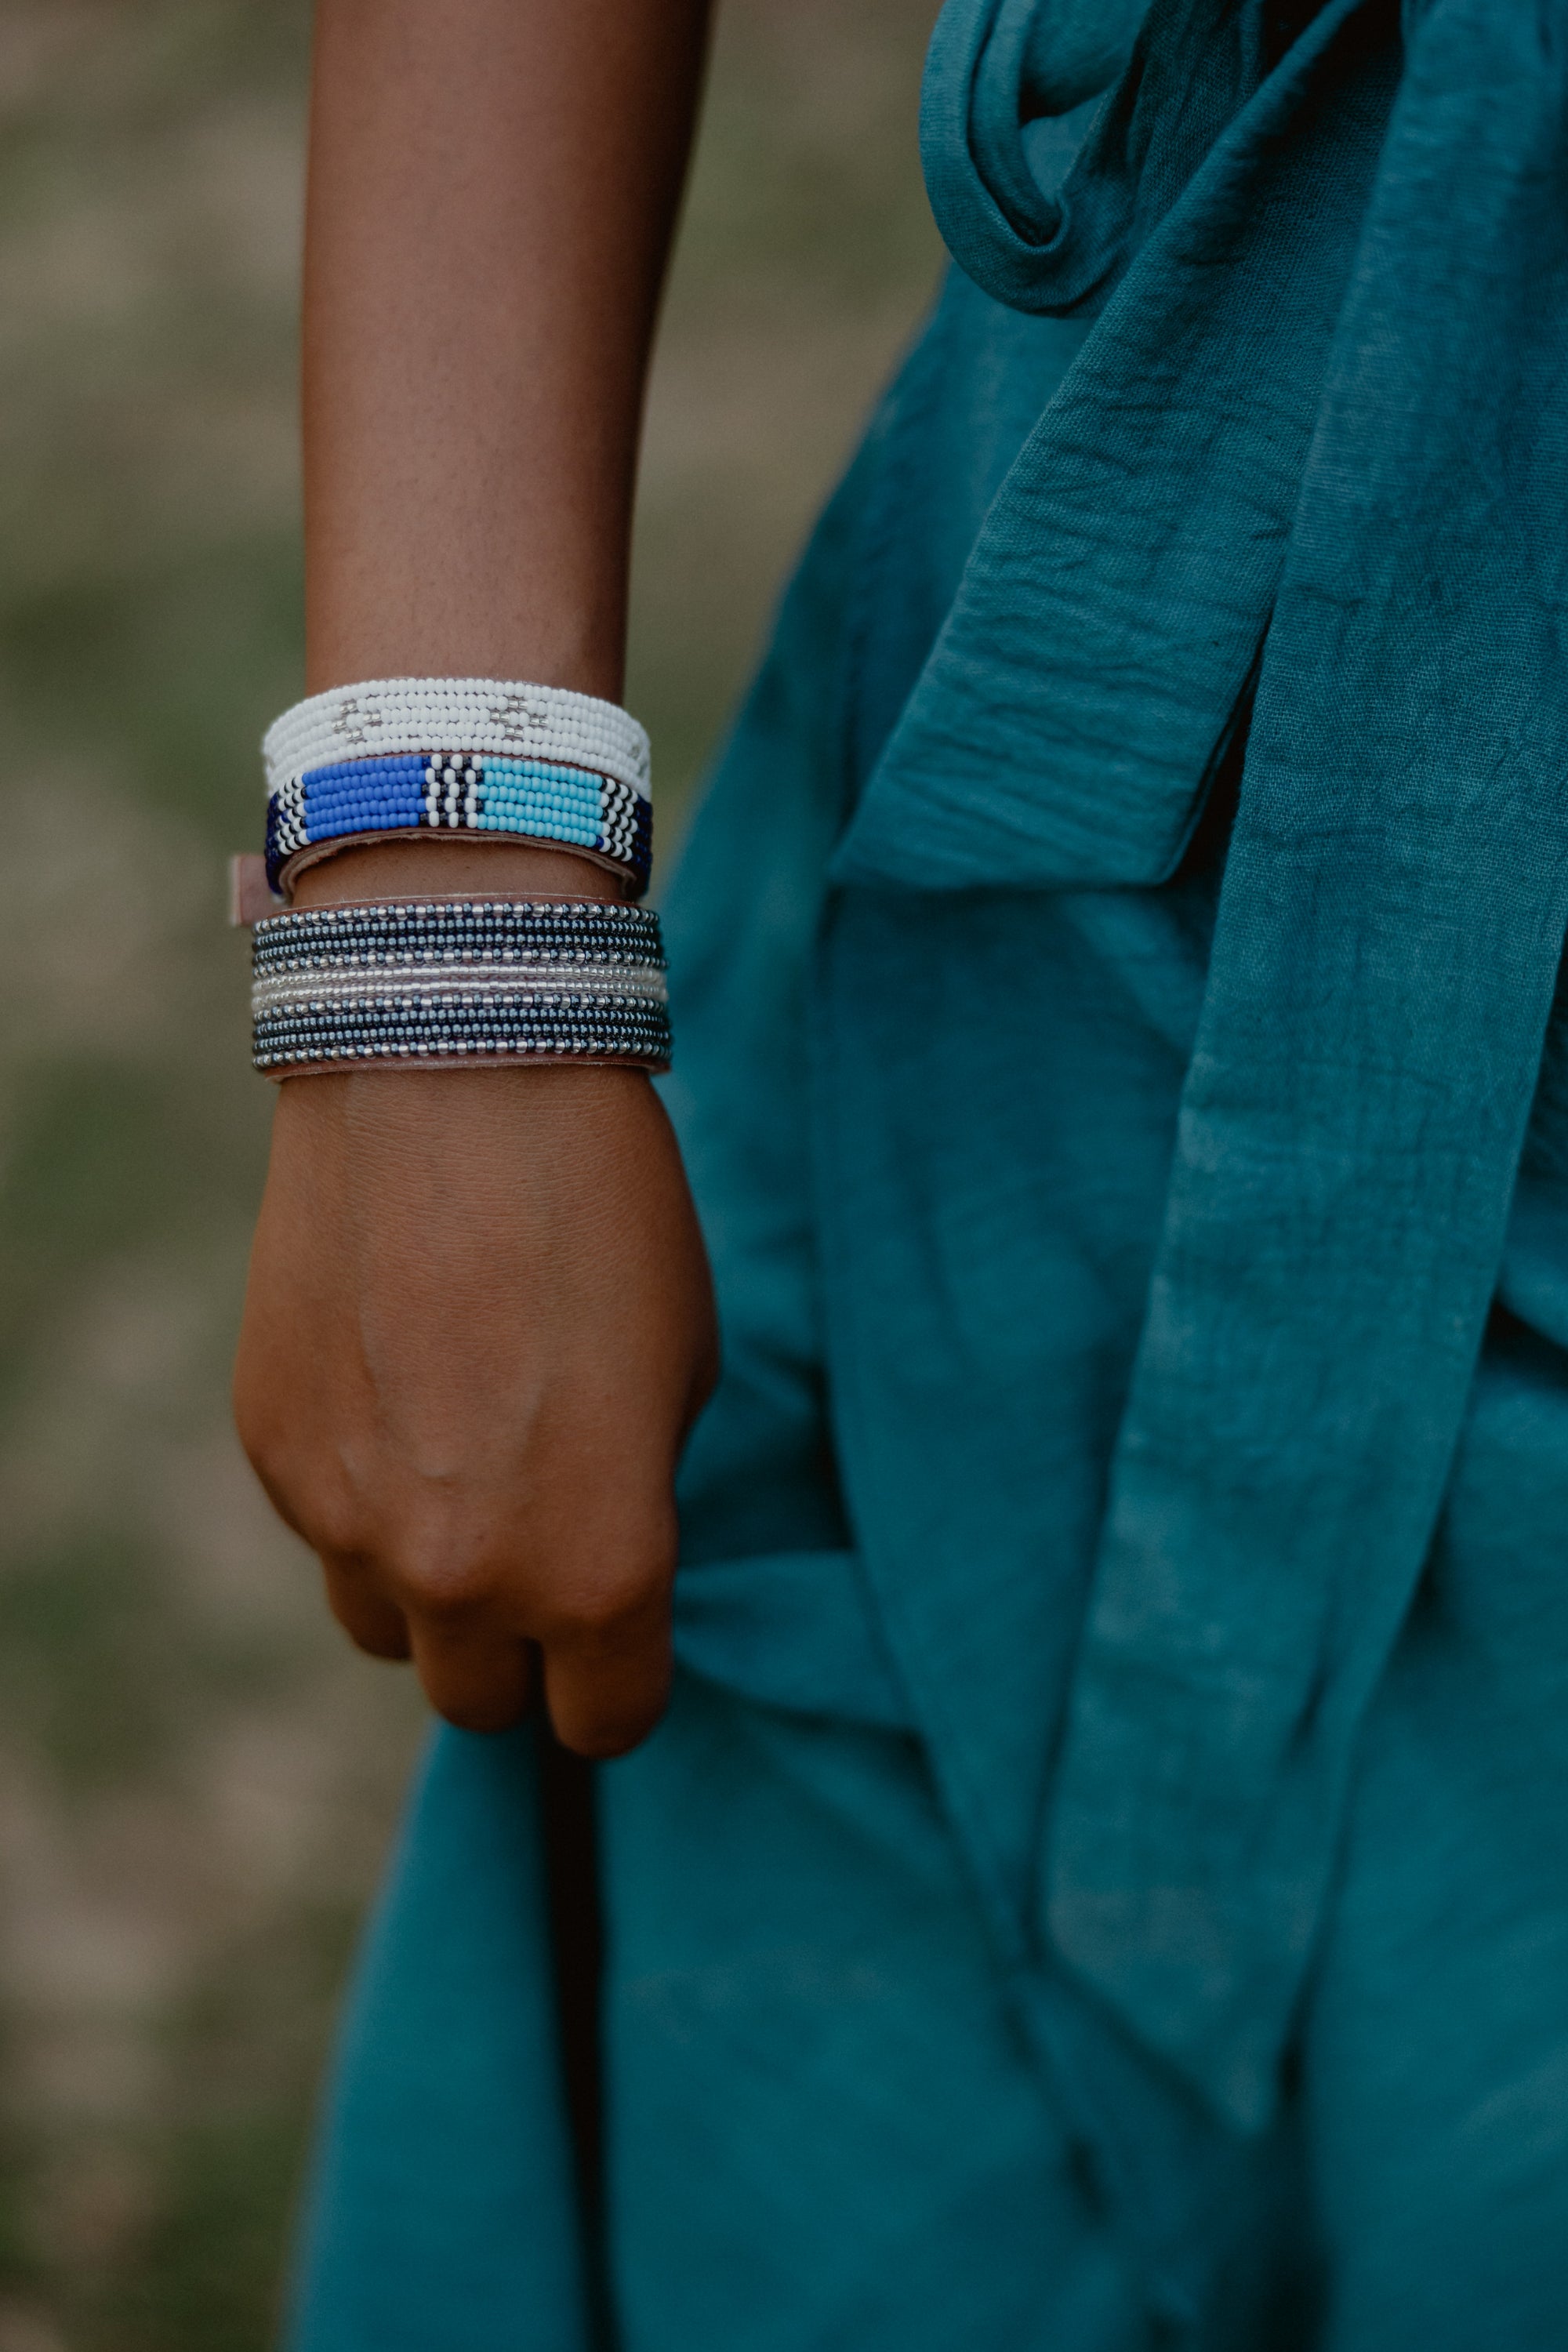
(483, 755)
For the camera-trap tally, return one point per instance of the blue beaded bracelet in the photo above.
(458, 981)
(458, 755)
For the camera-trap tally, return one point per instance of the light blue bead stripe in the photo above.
(576, 780)
(584, 830)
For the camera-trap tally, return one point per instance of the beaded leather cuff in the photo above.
(464, 754)
(459, 980)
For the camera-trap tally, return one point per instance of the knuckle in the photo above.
(328, 1510)
(444, 1578)
(302, 1482)
(606, 1611)
(600, 1614)
(332, 1523)
(442, 1598)
(318, 1506)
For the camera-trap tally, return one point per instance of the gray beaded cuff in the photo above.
(459, 980)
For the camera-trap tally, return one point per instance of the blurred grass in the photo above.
(197, 1779)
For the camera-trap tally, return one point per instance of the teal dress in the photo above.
(1103, 1879)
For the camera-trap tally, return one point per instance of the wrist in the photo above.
(446, 866)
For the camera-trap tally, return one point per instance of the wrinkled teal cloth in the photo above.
(450, 2119)
(1124, 1618)
(1393, 915)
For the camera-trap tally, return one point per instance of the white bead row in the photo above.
(395, 715)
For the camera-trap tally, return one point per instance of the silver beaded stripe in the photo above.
(641, 1038)
(450, 970)
(577, 933)
(413, 984)
(314, 1001)
(295, 1059)
(547, 923)
(278, 959)
(395, 715)
(426, 956)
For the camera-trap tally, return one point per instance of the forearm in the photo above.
(473, 1290)
(493, 185)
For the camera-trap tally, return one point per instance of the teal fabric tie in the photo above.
(1390, 925)
(1113, 605)
(1325, 406)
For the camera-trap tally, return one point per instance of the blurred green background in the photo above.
(196, 1778)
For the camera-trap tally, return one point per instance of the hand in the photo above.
(478, 1326)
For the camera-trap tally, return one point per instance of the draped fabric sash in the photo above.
(1114, 602)
(1326, 408)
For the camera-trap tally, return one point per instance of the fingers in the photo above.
(601, 1713)
(475, 1676)
(471, 1623)
(372, 1621)
(606, 1671)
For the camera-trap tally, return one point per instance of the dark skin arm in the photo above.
(479, 1320)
